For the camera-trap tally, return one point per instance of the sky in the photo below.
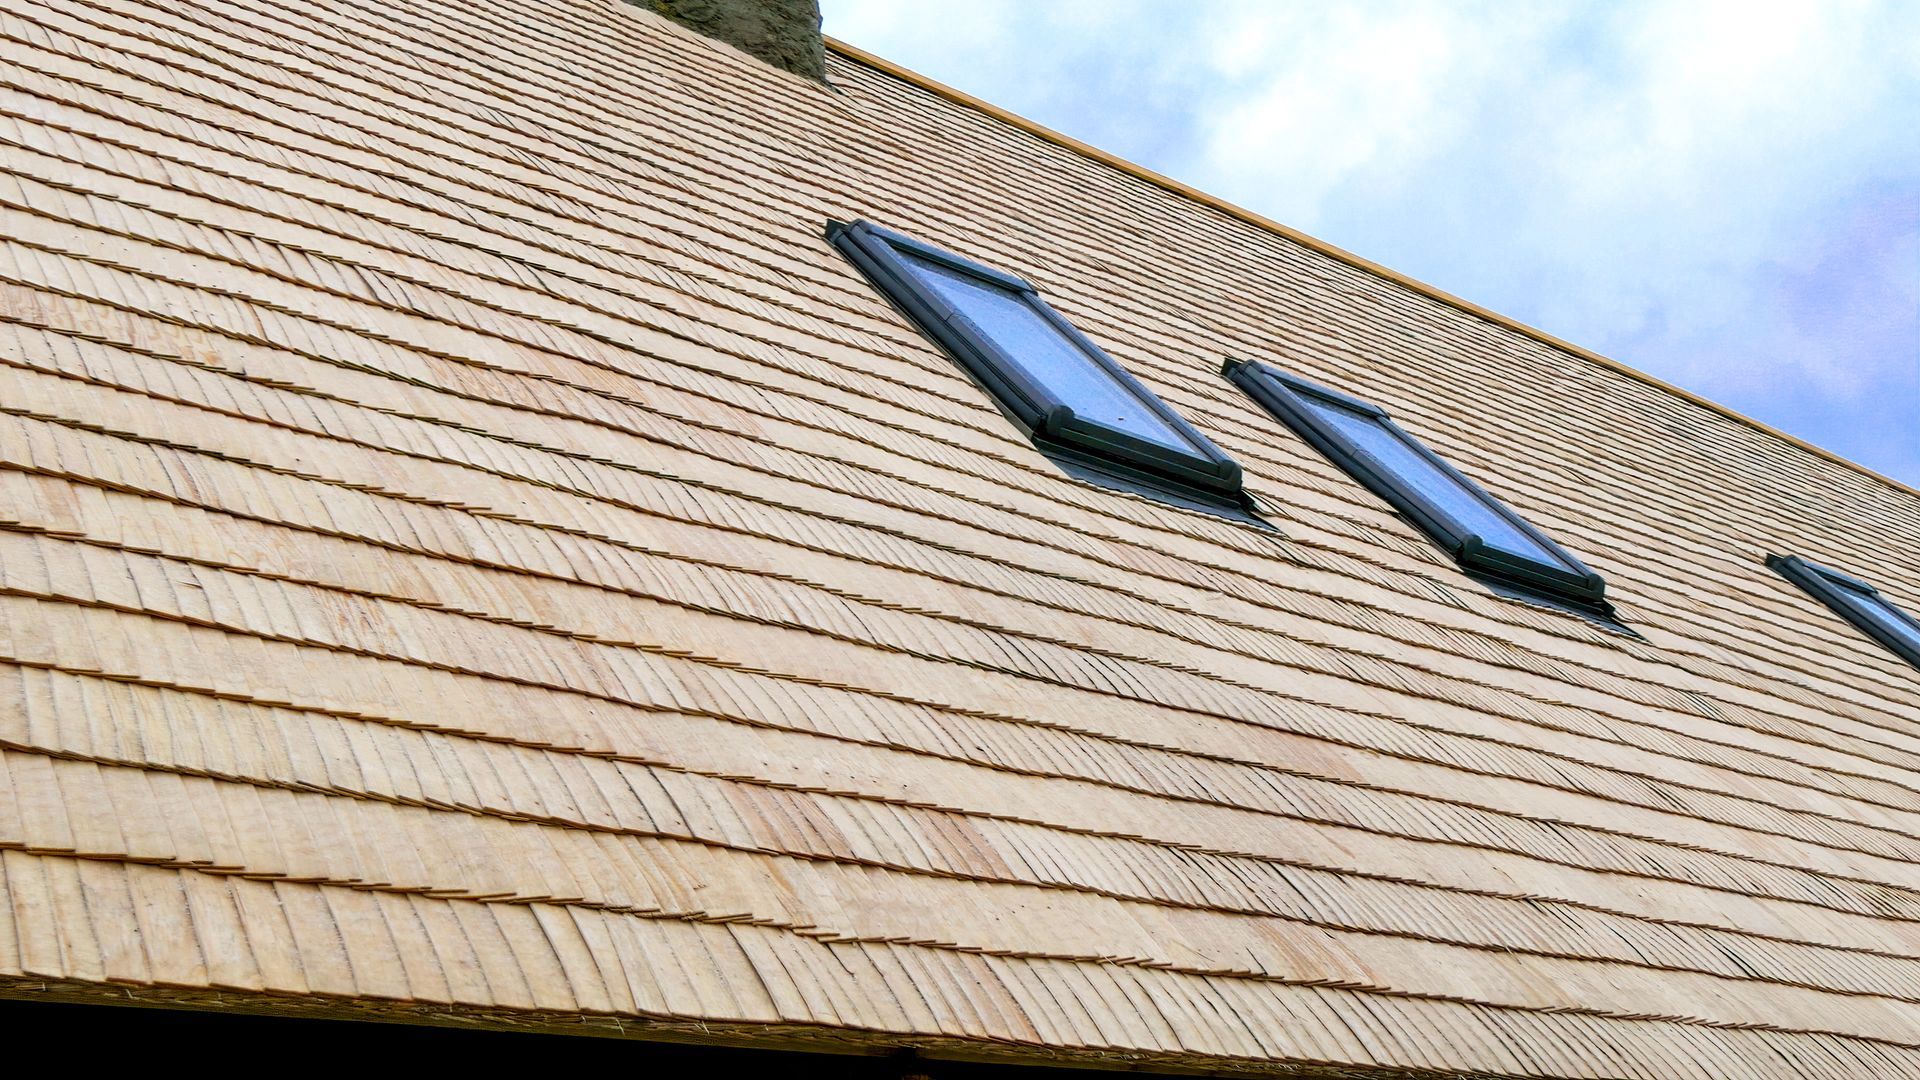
(1723, 195)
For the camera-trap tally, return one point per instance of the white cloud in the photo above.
(1311, 99)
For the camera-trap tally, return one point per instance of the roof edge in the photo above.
(1139, 172)
(799, 1037)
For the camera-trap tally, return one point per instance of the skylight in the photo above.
(1866, 607)
(1078, 406)
(1484, 534)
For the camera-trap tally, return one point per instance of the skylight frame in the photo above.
(1287, 397)
(1830, 587)
(1089, 448)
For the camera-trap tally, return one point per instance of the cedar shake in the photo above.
(472, 552)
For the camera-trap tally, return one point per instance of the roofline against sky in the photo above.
(1094, 153)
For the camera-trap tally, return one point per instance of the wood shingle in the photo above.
(470, 546)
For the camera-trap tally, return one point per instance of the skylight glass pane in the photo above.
(1880, 612)
(1413, 469)
(1048, 357)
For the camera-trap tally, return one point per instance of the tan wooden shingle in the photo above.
(467, 542)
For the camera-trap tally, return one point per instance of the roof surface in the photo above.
(469, 546)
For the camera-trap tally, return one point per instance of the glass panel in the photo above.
(1880, 612)
(1048, 357)
(1466, 506)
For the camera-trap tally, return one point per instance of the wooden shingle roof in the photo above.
(469, 546)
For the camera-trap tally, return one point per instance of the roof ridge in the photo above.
(1432, 292)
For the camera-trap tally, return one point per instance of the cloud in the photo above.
(1724, 194)
(1314, 101)
(1069, 60)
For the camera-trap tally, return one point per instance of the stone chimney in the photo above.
(784, 33)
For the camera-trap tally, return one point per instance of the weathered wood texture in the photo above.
(467, 543)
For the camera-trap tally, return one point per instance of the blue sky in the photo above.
(1726, 195)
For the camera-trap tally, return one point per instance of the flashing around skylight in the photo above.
(1488, 539)
(1079, 407)
(1866, 607)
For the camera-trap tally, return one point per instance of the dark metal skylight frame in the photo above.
(1558, 577)
(1199, 473)
(1866, 607)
